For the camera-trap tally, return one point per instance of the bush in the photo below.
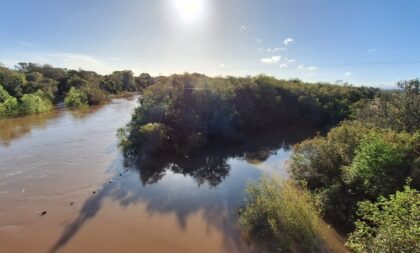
(382, 163)
(278, 210)
(76, 98)
(95, 96)
(355, 162)
(149, 137)
(389, 225)
(35, 103)
(8, 105)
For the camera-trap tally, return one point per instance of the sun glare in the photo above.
(189, 10)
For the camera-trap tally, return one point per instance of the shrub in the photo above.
(95, 96)
(35, 103)
(389, 225)
(76, 98)
(382, 163)
(355, 162)
(9, 105)
(278, 210)
(151, 137)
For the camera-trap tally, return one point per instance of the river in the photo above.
(65, 187)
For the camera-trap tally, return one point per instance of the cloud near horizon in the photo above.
(272, 60)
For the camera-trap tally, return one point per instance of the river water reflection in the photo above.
(67, 164)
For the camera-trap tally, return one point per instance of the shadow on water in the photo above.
(185, 185)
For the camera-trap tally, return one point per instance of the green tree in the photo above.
(399, 110)
(35, 103)
(76, 98)
(389, 225)
(382, 163)
(8, 105)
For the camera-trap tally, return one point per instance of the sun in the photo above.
(189, 11)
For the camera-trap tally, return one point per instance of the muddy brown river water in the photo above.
(65, 187)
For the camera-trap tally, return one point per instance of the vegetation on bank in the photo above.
(358, 172)
(182, 113)
(389, 225)
(278, 212)
(33, 88)
(29, 103)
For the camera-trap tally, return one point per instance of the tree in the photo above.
(389, 225)
(76, 98)
(398, 110)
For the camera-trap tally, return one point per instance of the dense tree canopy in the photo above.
(188, 111)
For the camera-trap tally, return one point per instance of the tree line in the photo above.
(33, 88)
(182, 113)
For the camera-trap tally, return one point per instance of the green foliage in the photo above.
(95, 95)
(389, 225)
(29, 103)
(76, 98)
(35, 103)
(152, 137)
(382, 163)
(278, 210)
(354, 162)
(12, 82)
(197, 110)
(397, 110)
(8, 105)
(120, 81)
(56, 84)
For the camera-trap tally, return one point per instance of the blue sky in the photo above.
(364, 42)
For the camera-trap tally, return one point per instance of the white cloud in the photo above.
(287, 41)
(261, 49)
(283, 66)
(291, 60)
(311, 68)
(273, 49)
(347, 74)
(307, 68)
(258, 40)
(222, 65)
(243, 28)
(272, 60)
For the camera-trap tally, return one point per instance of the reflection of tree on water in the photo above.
(210, 166)
(218, 196)
(15, 128)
